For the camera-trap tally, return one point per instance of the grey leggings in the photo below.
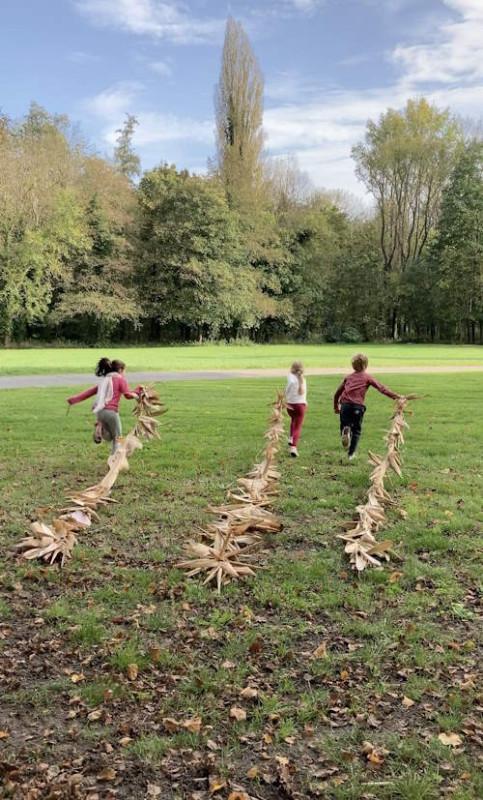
(111, 426)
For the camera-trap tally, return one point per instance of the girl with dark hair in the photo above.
(108, 393)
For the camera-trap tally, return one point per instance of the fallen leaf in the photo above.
(170, 724)
(107, 774)
(4, 734)
(394, 576)
(249, 693)
(450, 739)
(320, 651)
(407, 702)
(192, 725)
(256, 646)
(153, 790)
(155, 657)
(132, 671)
(238, 713)
(97, 714)
(238, 796)
(125, 741)
(252, 773)
(216, 784)
(77, 677)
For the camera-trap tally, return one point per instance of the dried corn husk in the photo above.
(55, 542)
(235, 538)
(361, 545)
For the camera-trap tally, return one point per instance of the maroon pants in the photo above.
(296, 412)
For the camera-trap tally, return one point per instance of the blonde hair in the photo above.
(360, 362)
(297, 369)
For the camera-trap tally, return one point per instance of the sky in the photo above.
(328, 65)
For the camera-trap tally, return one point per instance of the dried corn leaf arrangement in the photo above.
(54, 542)
(361, 545)
(230, 545)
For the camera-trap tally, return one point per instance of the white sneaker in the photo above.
(352, 456)
(293, 451)
(289, 442)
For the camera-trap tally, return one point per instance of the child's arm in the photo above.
(126, 391)
(78, 398)
(338, 393)
(382, 389)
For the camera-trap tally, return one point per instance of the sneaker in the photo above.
(346, 437)
(97, 435)
(289, 442)
(352, 456)
(293, 451)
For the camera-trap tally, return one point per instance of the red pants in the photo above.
(296, 412)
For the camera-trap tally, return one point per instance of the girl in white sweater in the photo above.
(296, 398)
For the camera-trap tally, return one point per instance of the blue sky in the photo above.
(328, 65)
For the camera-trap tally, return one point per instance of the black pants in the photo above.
(351, 416)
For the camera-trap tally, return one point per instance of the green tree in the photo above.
(125, 159)
(455, 261)
(405, 161)
(192, 271)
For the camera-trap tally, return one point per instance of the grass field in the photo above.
(402, 648)
(233, 357)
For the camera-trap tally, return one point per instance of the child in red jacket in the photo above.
(349, 401)
(108, 394)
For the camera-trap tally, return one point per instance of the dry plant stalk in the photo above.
(54, 543)
(361, 545)
(231, 542)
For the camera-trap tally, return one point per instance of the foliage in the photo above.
(192, 268)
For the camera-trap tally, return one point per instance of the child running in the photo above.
(296, 398)
(106, 406)
(349, 402)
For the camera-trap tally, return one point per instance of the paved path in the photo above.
(78, 379)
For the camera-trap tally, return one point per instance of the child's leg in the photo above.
(291, 413)
(111, 423)
(346, 424)
(356, 427)
(298, 421)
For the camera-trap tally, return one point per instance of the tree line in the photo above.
(92, 250)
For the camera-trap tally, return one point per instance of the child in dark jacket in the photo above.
(349, 401)
(108, 394)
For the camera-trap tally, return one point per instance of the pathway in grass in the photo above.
(74, 379)
(399, 666)
(212, 357)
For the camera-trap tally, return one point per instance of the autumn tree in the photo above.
(404, 161)
(239, 117)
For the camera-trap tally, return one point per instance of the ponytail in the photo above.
(103, 367)
(297, 369)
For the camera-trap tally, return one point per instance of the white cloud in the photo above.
(447, 70)
(455, 53)
(113, 101)
(161, 68)
(161, 20)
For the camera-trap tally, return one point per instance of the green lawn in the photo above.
(409, 631)
(233, 357)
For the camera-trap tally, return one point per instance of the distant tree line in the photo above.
(88, 253)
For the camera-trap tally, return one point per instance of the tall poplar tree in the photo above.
(239, 116)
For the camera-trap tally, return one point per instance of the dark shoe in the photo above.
(346, 437)
(97, 435)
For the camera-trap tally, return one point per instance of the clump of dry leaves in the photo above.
(361, 545)
(55, 542)
(230, 543)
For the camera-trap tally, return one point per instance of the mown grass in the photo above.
(35, 361)
(122, 601)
